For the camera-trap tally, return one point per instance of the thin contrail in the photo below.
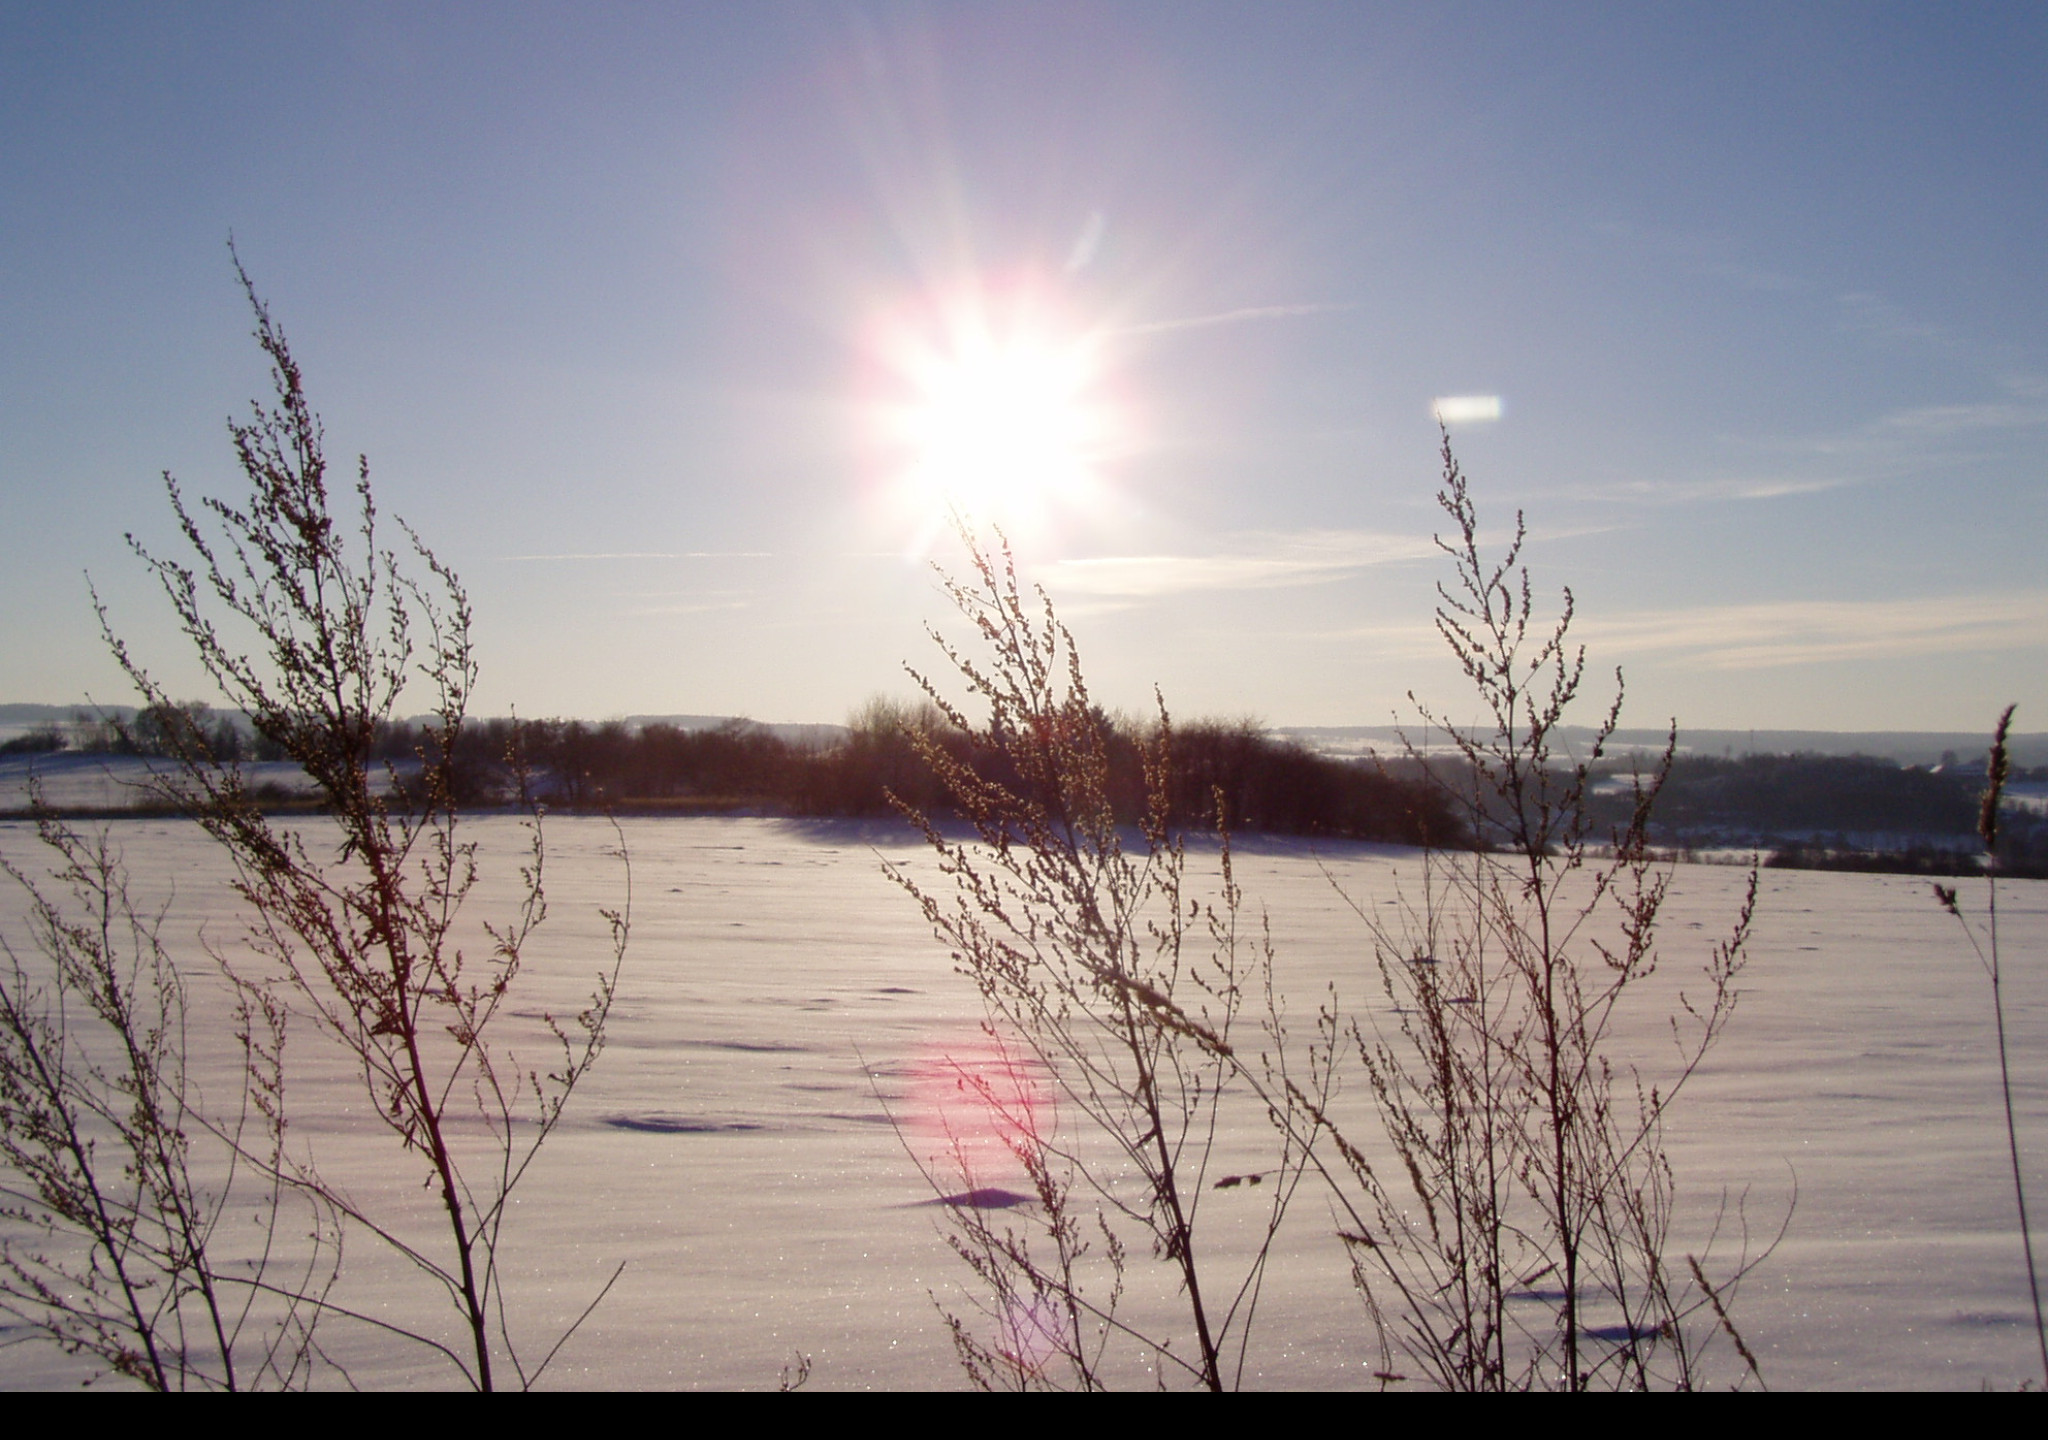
(1231, 317)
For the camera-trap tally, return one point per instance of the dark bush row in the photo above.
(1786, 793)
(1265, 784)
(2022, 854)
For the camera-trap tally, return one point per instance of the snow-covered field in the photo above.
(733, 1150)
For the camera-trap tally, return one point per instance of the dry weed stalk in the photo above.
(98, 1121)
(1100, 968)
(1998, 770)
(316, 636)
(1524, 1243)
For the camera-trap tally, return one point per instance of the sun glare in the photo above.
(1003, 425)
(1000, 417)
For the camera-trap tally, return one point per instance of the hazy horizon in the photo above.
(1908, 747)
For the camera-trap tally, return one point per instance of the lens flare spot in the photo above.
(1032, 1336)
(975, 1109)
(1465, 409)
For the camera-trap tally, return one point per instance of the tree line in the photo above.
(1805, 807)
(1825, 811)
(1230, 771)
(1218, 772)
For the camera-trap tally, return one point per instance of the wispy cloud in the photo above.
(1915, 436)
(1232, 317)
(1748, 277)
(2025, 408)
(1310, 557)
(1087, 242)
(705, 607)
(1876, 316)
(1899, 442)
(1726, 487)
(1711, 256)
(646, 555)
(1767, 634)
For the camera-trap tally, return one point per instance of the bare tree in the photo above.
(316, 630)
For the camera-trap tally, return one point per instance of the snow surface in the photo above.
(734, 1147)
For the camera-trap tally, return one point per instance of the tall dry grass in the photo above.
(1516, 1214)
(118, 1179)
(1510, 1224)
(1115, 986)
(312, 625)
(1985, 943)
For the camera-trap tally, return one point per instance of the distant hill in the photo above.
(1904, 747)
(17, 718)
(22, 716)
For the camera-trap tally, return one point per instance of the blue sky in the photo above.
(640, 312)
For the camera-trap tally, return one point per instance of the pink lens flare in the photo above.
(1033, 1333)
(976, 1107)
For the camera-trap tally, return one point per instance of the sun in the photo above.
(998, 413)
(1005, 424)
